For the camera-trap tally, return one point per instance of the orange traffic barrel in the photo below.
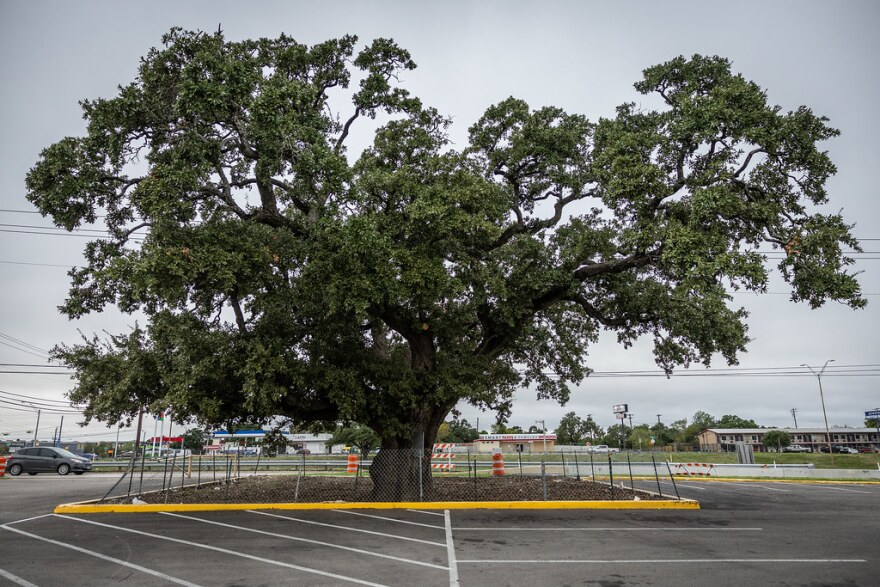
(2, 466)
(352, 463)
(497, 464)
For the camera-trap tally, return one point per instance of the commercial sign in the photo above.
(872, 414)
(620, 408)
(513, 437)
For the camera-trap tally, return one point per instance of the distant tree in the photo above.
(195, 439)
(703, 420)
(776, 439)
(357, 435)
(535, 430)
(615, 436)
(458, 431)
(733, 421)
(274, 443)
(639, 437)
(571, 430)
(4, 448)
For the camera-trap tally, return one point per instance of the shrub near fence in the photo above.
(401, 475)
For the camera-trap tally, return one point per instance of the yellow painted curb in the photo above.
(89, 508)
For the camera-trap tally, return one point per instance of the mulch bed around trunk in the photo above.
(287, 489)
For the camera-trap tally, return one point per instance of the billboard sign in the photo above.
(620, 408)
(872, 414)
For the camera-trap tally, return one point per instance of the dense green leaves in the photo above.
(282, 275)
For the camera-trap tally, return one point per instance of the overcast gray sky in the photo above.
(579, 55)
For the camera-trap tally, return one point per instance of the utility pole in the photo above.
(822, 397)
(794, 415)
(658, 418)
(60, 427)
(37, 429)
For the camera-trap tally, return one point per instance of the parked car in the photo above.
(796, 448)
(303, 451)
(838, 448)
(602, 449)
(46, 459)
(869, 449)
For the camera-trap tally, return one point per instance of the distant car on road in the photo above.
(838, 448)
(46, 459)
(796, 448)
(602, 449)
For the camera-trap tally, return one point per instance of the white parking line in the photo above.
(426, 512)
(298, 539)
(450, 551)
(351, 513)
(661, 561)
(348, 528)
(606, 529)
(688, 486)
(16, 579)
(842, 489)
(760, 487)
(28, 519)
(215, 549)
(102, 557)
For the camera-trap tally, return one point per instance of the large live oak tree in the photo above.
(281, 276)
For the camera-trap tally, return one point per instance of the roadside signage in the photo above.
(872, 414)
(620, 408)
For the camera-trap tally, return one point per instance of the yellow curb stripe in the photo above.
(87, 508)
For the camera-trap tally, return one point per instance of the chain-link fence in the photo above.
(392, 475)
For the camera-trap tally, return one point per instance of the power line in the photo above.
(30, 397)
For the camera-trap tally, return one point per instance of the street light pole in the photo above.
(822, 397)
(544, 430)
(794, 415)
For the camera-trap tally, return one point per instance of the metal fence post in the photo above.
(592, 468)
(672, 478)
(544, 477)
(577, 468)
(660, 491)
(611, 475)
(629, 464)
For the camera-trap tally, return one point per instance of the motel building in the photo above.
(523, 443)
(725, 439)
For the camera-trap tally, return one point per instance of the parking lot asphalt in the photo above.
(762, 533)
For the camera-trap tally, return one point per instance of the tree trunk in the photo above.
(401, 470)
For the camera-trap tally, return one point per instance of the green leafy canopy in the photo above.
(281, 275)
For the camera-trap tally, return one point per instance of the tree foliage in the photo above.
(776, 439)
(457, 431)
(734, 421)
(572, 429)
(356, 435)
(283, 275)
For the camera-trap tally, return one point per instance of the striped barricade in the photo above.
(448, 456)
(693, 469)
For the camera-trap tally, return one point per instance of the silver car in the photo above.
(46, 459)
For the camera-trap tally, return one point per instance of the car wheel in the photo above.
(15, 470)
(63, 469)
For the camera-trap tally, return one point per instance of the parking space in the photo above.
(769, 533)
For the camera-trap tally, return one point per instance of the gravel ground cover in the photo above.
(290, 489)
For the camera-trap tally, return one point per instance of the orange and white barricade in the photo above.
(693, 469)
(352, 463)
(439, 454)
(497, 464)
(2, 466)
